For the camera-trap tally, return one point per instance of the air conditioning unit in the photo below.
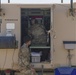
(69, 45)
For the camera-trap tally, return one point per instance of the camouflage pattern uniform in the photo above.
(39, 34)
(24, 58)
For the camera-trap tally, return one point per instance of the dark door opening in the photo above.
(37, 21)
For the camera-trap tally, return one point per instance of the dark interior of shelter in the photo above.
(36, 23)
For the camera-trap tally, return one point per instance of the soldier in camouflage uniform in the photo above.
(24, 59)
(38, 33)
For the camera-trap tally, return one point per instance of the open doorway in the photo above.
(36, 23)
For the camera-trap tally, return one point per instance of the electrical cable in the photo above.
(13, 58)
(5, 58)
(13, 51)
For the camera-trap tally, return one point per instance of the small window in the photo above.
(10, 26)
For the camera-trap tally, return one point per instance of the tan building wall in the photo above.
(11, 12)
(64, 28)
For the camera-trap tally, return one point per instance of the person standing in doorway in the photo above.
(38, 32)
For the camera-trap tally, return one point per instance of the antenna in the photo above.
(71, 4)
(0, 8)
(72, 12)
(0, 4)
(61, 1)
(8, 1)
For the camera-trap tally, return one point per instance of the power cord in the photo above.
(13, 58)
(5, 58)
(13, 51)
